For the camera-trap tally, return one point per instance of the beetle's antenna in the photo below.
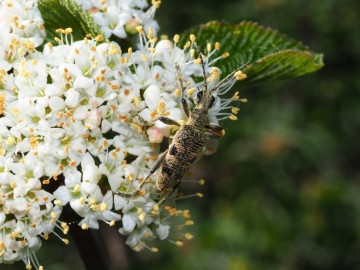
(228, 77)
(202, 65)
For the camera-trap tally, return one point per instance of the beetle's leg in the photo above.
(152, 170)
(184, 104)
(169, 121)
(169, 194)
(142, 120)
(214, 131)
(163, 119)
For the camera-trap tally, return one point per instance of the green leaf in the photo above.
(268, 54)
(67, 13)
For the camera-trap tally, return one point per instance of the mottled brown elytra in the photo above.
(188, 142)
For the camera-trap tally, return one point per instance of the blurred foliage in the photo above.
(282, 191)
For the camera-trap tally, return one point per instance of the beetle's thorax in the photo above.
(199, 117)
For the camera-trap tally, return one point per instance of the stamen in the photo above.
(198, 194)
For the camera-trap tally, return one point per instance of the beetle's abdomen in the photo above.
(185, 148)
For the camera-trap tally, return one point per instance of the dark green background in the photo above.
(282, 191)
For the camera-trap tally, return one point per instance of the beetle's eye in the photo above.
(199, 96)
(212, 101)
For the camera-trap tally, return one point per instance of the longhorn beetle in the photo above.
(188, 142)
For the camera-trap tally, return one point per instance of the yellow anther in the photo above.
(192, 38)
(13, 185)
(177, 92)
(156, 207)
(215, 74)
(95, 207)
(200, 195)
(236, 96)
(217, 46)
(103, 206)
(77, 188)
(154, 249)
(112, 223)
(208, 47)
(143, 57)
(233, 117)
(140, 29)
(66, 241)
(64, 226)
(190, 91)
(160, 107)
(156, 3)
(243, 100)
(84, 226)
(201, 182)
(197, 61)
(99, 38)
(10, 141)
(150, 33)
(179, 243)
(225, 55)
(188, 236)
(189, 222)
(239, 75)
(176, 38)
(187, 45)
(58, 202)
(235, 110)
(68, 31)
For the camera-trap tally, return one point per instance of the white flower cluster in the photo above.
(120, 17)
(22, 30)
(72, 116)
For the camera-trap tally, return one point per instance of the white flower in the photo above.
(22, 28)
(27, 214)
(119, 16)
